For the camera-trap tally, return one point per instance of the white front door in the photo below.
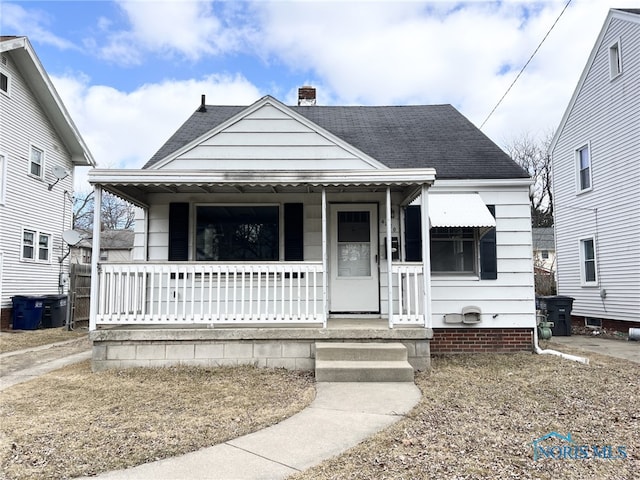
(354, 285)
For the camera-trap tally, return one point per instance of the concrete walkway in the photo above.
(24, 365)
(626, 350)
(341, 416)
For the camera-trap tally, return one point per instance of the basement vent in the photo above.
(591, 322)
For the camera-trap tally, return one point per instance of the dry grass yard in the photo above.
(72, 423)
(12, 340)
(480, 414)
(478, 419)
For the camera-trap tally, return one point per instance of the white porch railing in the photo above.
(200, 293)
(408, 306)
(163, 293)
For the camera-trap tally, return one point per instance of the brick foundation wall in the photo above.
(477, 340)
(607, 324)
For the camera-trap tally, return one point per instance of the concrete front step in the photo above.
(366, 351)
(363, 371)
(362, 362)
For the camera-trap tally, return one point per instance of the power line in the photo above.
(525, 65)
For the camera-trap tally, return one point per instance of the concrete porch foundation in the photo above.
(276, 346)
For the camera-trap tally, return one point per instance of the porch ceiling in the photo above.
(136, 186)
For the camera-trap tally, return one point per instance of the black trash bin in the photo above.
(27, 312)
(54, 312)
(558, 310)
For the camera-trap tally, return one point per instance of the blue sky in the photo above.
(130, 73)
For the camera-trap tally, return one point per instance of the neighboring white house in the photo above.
(596, 179)
(39, 144)
(307, 219)
(544, 249)
(115, 246)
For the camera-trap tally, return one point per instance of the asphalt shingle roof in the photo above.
(436, 136)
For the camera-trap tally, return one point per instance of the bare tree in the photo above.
(116, 213)
(532, 155)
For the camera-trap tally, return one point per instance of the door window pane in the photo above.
(354, 244)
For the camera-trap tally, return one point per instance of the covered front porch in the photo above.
(307, 289)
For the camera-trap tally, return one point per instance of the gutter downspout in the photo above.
(566, 356)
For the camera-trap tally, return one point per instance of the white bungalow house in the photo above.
(595, 157)
(270, 228)
(39, 148)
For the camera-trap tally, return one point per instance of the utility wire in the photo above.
(525, 65)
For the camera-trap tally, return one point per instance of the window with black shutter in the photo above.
(412, 234)
(488, 252)
(178, 232)
(293, 232)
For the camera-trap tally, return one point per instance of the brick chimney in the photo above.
(306, 96)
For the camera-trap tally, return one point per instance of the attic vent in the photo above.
(4, 60)
(306, 96)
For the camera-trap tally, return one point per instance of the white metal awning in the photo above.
(459, 210)
(136, 186)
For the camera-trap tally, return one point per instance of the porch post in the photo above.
(426, 255)
(389, 260)
(325, 298)
(95, 256)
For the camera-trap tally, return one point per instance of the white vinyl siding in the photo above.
(28, 203)
(608, 115)
(507, 301)
(268, 139)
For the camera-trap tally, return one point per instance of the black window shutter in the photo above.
(178, 232)
(488, 254)
(293, 232)
(412, 234)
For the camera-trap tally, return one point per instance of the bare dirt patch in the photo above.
(72, 422)
(480, 415)
(12, 340)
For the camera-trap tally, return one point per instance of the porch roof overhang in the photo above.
(135, 186)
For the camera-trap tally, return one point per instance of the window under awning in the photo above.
(459, 210)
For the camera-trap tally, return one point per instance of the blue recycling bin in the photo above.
(27, 312)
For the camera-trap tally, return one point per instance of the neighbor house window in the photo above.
(4, 83)
(545, 254)
(583, 158)
(453, 250)
(615, 60)
(237, 233)
(36, 162)
(36, 246)
(588, 260)
(86, 255)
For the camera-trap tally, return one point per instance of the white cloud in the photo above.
(123, 130)
(189, 30)
(409, 52)
(33, 23)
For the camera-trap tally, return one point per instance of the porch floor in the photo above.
(337, 328)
